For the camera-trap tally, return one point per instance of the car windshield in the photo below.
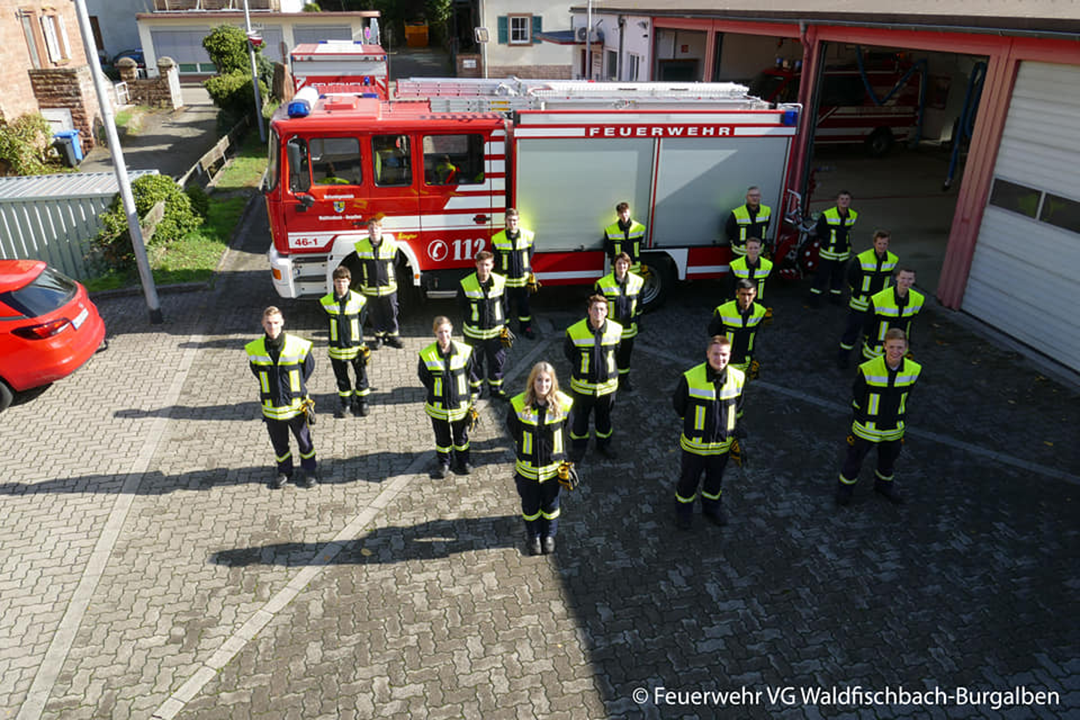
(764, 86)
(49, 290)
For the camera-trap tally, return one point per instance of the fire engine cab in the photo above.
(340, 66)
(442, 162)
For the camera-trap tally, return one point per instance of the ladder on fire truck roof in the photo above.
(487, 95)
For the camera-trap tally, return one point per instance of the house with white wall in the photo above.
(514, 46)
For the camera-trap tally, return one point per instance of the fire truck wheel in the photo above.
(880, 142)
(6, 396)
(661, 279)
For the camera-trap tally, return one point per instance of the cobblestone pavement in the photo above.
(146, 570)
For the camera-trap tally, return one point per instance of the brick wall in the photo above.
(70, 88)
(546, 72)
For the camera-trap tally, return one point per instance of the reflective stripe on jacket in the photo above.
(869, 275)
(885, 313)
(282, 384)
(346, 324)
(879, 398)
(739, 328)
(446, 380)
(513, 258)
(539, 435)
(592, 357)
(741, 271)
(617, 240)
(485, 314)
(622, 299)
(377, 272)
(709, 411)
(833, 232)
(747, 227)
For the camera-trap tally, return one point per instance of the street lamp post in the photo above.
(254, 71)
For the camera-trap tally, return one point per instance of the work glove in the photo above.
(473, 417)
(768, 316)
(507, 337)
(365, 354)
(568, 475)
(533, 284)
(645, 272)
(737, 453)
(754, 370)
(308, 406)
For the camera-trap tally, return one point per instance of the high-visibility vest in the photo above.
(758, 275)
(888, 314)
(880, 411)
(281, 384)
(740, 330)
(539, 448)
(582, 377)
(710, 417)
(750, 228)
(513, 256)
(346, 334)
(873, 276)
(837, 245)
(453, 384)
(377, 272)
(627, 241)
(622, 300)
(485, 316)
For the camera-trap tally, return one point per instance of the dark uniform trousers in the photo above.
(489, 362)
(829, 273)
(856, 319)
(279, 438)
(344, 384)
(383, 312)
(583, 407)
(622, 356)
(451, 434)
(887, 453)
(693, 466)
(519, 298)
(540, 500)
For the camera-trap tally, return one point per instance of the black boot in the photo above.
(889, 489)
(342, 409)
(844, 493)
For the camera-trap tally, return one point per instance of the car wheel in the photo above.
(661, 278)
(880, 142)
(6, 396)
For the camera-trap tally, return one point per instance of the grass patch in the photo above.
(191, 259)
(246, 168)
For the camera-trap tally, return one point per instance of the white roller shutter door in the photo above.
(1025, 274)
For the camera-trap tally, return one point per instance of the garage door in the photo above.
(1025, 274)
(315, 33)
(184, 45)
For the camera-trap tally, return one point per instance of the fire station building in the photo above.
(998, 80)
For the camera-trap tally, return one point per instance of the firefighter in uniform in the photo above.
(894, 307)
(537, 421)
(378, 283)
(445, 369)
(738, 320)
(345, 310)
(513, 248)
(747, 221)
(624, 235)
(622, 289)
(591, 346)
(483, 302)
(752, 267)
(868, 273)
(283, 363)
(833, 232)
(880, 396)
(709, 399)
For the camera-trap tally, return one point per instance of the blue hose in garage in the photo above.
(966, 126)
(920, 67)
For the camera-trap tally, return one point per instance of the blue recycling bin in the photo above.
(68, 144)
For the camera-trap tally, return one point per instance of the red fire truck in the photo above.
(850, 113)
(441, 170)
(340, 66)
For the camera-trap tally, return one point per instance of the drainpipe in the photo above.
(619, 61)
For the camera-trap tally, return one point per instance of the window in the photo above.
(1061, 212)
(842, 90)
(335, 161)
(520, 29)
(27, 18)
(299, 173)
(634, 71)
(392, 160)
(56, 38)
(270, 177)
(611, 59)
(1014, 197)
(454, 159)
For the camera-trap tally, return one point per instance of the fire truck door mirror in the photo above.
(299, 176)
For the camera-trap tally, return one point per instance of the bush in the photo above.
(227, 47)
(113, 242)
(200, 201)
(234, 95)
(24, 143)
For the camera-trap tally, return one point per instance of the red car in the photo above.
(48, 326)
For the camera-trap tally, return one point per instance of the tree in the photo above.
(227, 46)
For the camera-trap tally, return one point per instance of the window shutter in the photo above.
(504, 30)
(49, 30)
(537, 27)
(65, 44)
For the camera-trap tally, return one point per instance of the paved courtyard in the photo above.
(147, 571)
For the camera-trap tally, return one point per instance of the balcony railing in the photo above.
(181, 5)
